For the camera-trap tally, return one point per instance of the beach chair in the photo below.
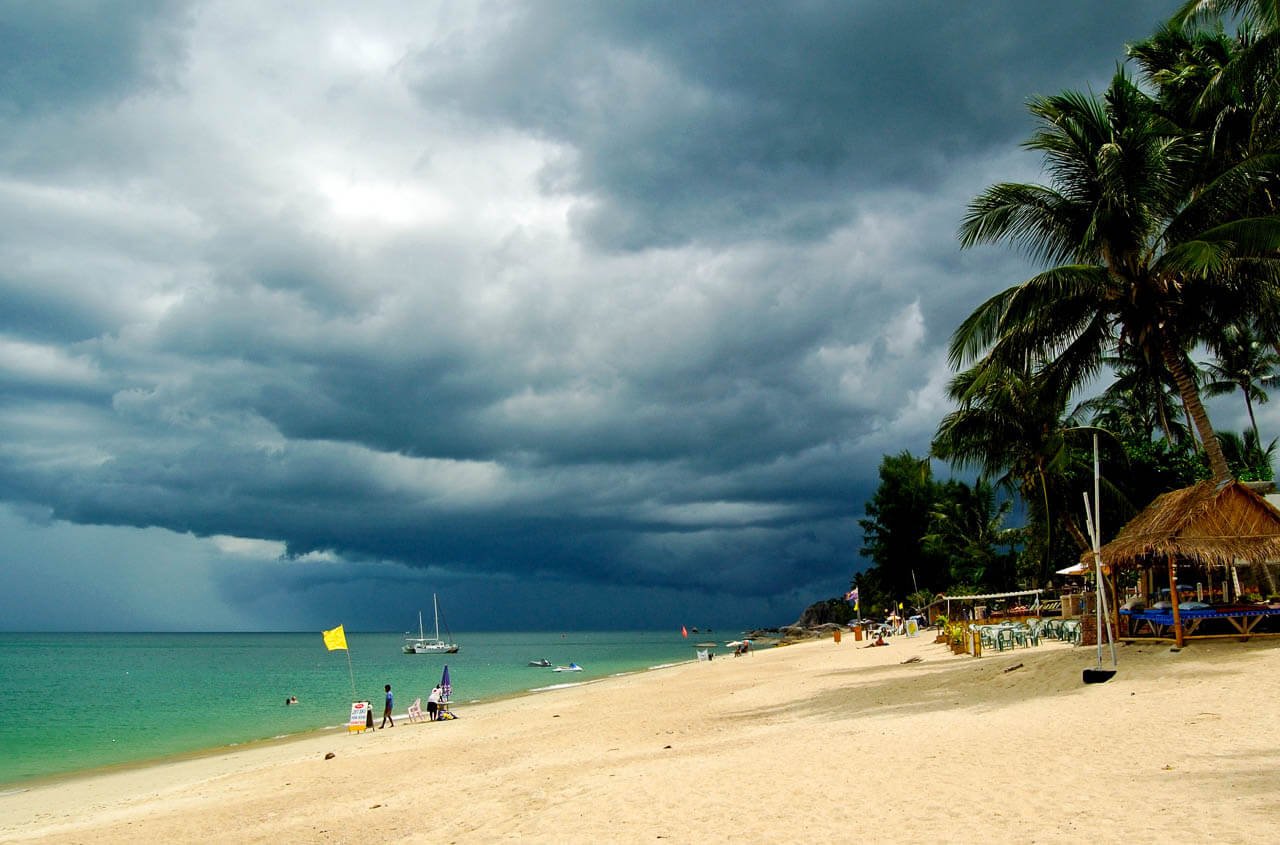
(415, 711)
(704, 654)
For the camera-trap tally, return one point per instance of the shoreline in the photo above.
(814, 739)
(19, 786)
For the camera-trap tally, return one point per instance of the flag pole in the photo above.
(352, 673)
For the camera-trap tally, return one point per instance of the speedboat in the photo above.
(544, 663)
(572, 667)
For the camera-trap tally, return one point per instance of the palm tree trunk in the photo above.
(1076, 534)
(1165, 426)
(1248, 404)
(1191, 402)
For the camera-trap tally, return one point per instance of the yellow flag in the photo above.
(335, 639)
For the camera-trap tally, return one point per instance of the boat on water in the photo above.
(572, 667)
(544, 663)
(422, 644)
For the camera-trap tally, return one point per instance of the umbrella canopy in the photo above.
(446, 688)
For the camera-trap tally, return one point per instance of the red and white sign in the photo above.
(359, 716)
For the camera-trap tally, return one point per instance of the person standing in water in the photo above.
(386, 713)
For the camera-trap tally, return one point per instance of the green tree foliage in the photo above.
(1013, 427)
(1248, 459)
(1146, 246)
(966, 527)
(893, 529)
(1242, 362)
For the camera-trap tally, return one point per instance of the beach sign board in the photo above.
(359, 716)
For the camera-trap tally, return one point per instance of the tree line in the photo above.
(1157, 231)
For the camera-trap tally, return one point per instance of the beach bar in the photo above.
(1207, 532)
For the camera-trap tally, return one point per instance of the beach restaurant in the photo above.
(1197, 541)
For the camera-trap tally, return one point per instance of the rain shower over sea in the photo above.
(84, 701)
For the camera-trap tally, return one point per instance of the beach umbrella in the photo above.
(446, 688)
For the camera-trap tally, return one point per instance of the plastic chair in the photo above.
(415, 711)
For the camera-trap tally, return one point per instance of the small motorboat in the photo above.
(572, 667)
(544, 663)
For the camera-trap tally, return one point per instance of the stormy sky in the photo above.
(579, 314)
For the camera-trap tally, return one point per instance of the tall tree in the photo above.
(1145, 249)
(1243, 362)
(895, 522)
(1250, 460)
(1013, 428)
(967, 527)
(1139, 403)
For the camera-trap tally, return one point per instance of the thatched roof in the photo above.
(1207, 524)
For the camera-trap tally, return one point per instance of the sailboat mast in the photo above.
(436, 606)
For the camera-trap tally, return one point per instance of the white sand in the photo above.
(817, 741)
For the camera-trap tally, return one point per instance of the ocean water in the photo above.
(85, 701)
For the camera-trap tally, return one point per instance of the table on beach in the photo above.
(1160, 621)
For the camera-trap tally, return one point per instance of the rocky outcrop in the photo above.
(825, 612)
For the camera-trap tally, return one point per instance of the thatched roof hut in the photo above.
(1209, 524)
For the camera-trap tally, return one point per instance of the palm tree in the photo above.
(1013, 427)
(1252, 68)
(1243, 363)
(967, 525)
(1140, 402)
(1146, 251)
(1246, 454)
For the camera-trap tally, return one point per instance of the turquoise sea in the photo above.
(76, 702)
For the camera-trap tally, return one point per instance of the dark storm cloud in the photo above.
(713, 121)
(543, 304)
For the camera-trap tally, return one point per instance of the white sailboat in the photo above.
(422, 644)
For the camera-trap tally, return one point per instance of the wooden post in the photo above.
(1173, 597)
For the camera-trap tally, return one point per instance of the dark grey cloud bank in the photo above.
(581, 314)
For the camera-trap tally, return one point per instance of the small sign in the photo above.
(359, 716)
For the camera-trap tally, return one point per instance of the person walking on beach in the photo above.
(386, 713)
(433, 703)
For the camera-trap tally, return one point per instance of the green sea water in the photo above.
(85, 701)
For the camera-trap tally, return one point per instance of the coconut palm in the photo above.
(967, 526)
(1246, 453)
(1140, 402)
(1146, 251)
(1013, 427)
(1243, 362)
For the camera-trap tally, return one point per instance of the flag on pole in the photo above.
(852, 595)
(684, 632)
(335, 639)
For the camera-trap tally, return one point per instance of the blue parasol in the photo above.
(446, 688)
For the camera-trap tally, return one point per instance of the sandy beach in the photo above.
(811, 741)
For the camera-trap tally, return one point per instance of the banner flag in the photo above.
(684, 632)
(335, 639)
